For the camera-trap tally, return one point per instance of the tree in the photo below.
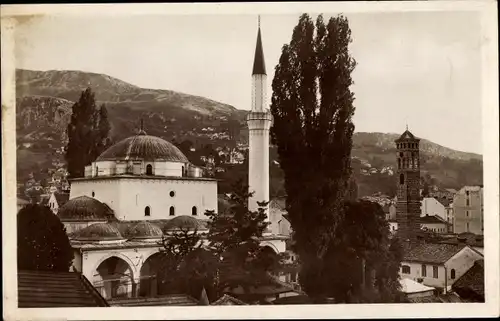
(234, 238)
(312, 107)
(87, 134)
(369, 269)
(42, 243)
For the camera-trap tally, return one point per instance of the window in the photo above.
(452, 272)
(172, 211)
(149, 169)
(93, 194)
(147, 211)
(194, 211)
(182, 171)
(467, 226)
(96, 170)
(467, 202)
(172, 193)
(467, 213)
(406, 269)
(424, 270)
(435, 271)
(401, 179)
(467, 193)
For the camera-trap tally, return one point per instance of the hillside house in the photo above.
(438, 265)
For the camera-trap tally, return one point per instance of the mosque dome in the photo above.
(143, 147)
(183, 222)
(144, 230)
(85, 208)
(97, 232)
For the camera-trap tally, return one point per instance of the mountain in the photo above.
(44, 100)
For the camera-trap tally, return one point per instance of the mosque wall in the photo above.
(104, 190)
(161, 195)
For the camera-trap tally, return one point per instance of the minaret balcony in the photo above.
(256, 115)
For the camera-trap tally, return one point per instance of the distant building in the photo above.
(438, 265)
(56, 200)
(434, 224)
(468, 210)
(432, 207)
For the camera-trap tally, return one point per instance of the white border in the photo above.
(490, 157)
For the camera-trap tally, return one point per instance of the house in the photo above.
(472, 240)
(280, 224)
(433, 223)
(468, 210)
(413, 289)
(390, 211)
(57, 200)
(438, 265)
(432, 207)
(470, 286)
(50, 289)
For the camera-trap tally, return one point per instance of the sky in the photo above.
(421, 69)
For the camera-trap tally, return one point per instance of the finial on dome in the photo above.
(141, 131)
(259, 21)
(406, 126)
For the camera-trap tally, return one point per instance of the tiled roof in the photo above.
(466, 238)
(432, 253)
(228, 300)
(471, 284)
(49, 289)
(166, 300)
(407, 135)
(444, 201)
(431, 219)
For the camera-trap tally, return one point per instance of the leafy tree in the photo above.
(87, 134)
(234, 238)
(312, 107)
(42, 243)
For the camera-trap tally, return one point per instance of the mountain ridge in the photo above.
(44, 100)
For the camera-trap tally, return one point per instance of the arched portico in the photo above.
(148, 279)
(113, 277)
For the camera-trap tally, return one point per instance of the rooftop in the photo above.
(471, 284)
(49, 289)
(431, 219)
(143, 147)
(409, 286)
(61, 198)
(85, 208)
(432, 253)
(166, 300)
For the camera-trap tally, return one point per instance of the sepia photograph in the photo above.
(316, 156)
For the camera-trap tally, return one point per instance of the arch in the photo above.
(171, 211)
(194, 210)
(114, 276)
(147, 211)
(270, 245)
(399, 163)
(149, 169)
(401, 179)
(148, 279)
(93, 194)
(119, 255)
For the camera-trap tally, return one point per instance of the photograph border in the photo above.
(12, 15)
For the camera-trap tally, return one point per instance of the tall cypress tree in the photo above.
(87, 134)
(312, 106)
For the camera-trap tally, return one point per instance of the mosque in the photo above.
(142, 189)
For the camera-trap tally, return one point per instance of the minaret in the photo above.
(408, 189)
(259, 123)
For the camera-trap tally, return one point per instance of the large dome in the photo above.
(85, 208)
(97, 232)
(143, 147)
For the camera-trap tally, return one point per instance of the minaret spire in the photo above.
(259, 65)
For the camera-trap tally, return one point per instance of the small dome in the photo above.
(143, 147)
(183, 222)
(97, 232)
(85, 208)
(144, 230)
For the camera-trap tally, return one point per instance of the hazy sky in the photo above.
(423, 69)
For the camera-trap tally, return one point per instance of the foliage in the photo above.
(234, 238)
(42, 243)
(312, 107)
(87, 134)
(363, 243)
